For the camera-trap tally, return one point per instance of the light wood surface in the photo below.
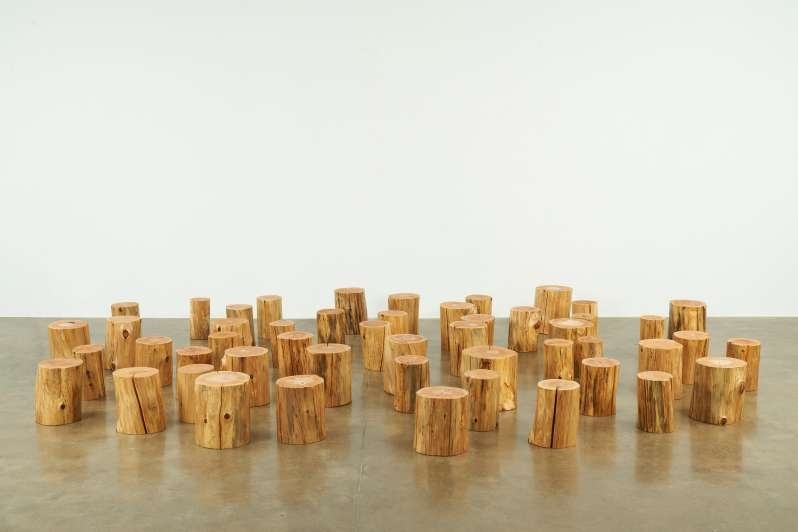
(586, 347)
(199, 318)
(269, 309)
(554, 301)
(501, 360)
(331, 326)
(121, 333)
(451, 311)
(599, 384)
(687, 315)
(488, 319)
(139, 401)
(155, 352)
(65, 335)
(221, 341)
(300, 409)
(441, 423)
(252, 361)
(483, 386)
(749, 350)
(59, 389)
(186, 395)
(558, 359)
(524, 324)
(93, 377)
(652, 326)
(333, 363)
(193, 354)
(276, 328)
(411, 374)
(353, 301)
(222, 416)
(374, 342)
(482, 302)
(462, 335)
(125, 308)
(292, 358)
(570, 329)
(655, 402)
(399, 345)
(398, 319)
(408, 302)
(242, 310)
(581, 307)
(556, 414)
(718, 390)
(237, 325)
(661, 354)
(695, 345)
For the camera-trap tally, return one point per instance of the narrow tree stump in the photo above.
(373, 342)
(270, 308)
(462, 335)
(93, 378)
(398, 319)
(155, 352)
(125, 308)
(556, 414)
(121, 333)
(655, 402)
(237, 325)
(291, 356)
(333, 363)
(599, 383)
(139, 401)
(219, 342)
(687, 315)
(695, 345)
(483, 303)
(59, 385)
(252, 361)
(487, 319)
(66, 335)
(194, 354)
(588, 318)
(331, 326)
(276, 328)
(409, 303)
(558, 359)
(399, 345)
(353, 301)
(300, 409)
(580, 307)
(652, 326)
(570, 329)
(502, 361)
(240, 310)
(452, 311)
(718, 390)
(483, 386)
(441, 425)
(411, 374)
(659, 354)
(586, 347)
(522, 335)
(199, 321)
(749, 350)
(222, 417)
(554, 302)
(186, 395)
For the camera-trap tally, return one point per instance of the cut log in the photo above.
(522, 335)
(186, 395)
(219, 342)
(93, 378)
(353, 301)
(483, 386)
(556, 414)
(300, 409)
(194, 354)
(586, 347)
(331, 326)
(199, 321)
(59, 387)
(502, 361)
(483, 303)
(292, 358)
(333, 363)
(270, 308)
(276, 328)
(487, 319)
(244, 311)
(652, 326)
(452, 311)
(155, 352)
(655, 402)
(659, 354)
(554, 301)
(125, 308)
(222, 417)
(139, 401)
(462, 335)
(687, 315)
(599, 384)
(398, 319)
(399, 345)
(254, 362)
(581, 307)
(695, 345)
(237, 325)
(409, 303)
(411, 374)
(66, 335)
(121, 333)
(718, 390)
(441, 425)
(558, 359)
(588, 318)
(570, 329)
(749, 350)
(373, 342)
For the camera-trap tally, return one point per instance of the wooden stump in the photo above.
(452, 311)
(652, 326)
(236, 325)
(222, 417)
(291, 356)
(502, 361)
(398, 319)
(522, 335)
(599, 383)
(462, 335)
(487, 319)
(93, 378)
(353, 301)
(300, 409)
(588, 318)
(411, 374)
(270, 308)
(570, 329)
(59, 385)
(441, 427)
(556, 414)
(482, 302)
(199, 321)
(243, 311)
(331, 326)
(558, 359)
(687, 315)
(373, 342)
(749, 350)
(219, 342)
(655, 402)
(125, 308)
(695, 345)
(252, 361)
(399, 345)
(155, 352)
(121, 333)
(409, 303)
(718, 390)
(659, 354)
(483, 386)
(586, 347)
(194, 354)
(139, 401)
(66, 335)
(276, 328)
(333, 363)
(186, 395)
(580, 307)
(554, 302)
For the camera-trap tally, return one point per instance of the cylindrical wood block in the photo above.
(655, 402)
(483, 386)
(139, 401)
(399, 345)
(219, 342)
(240, 310)
(462, 335)
(66, 335)
(570, 328)
(556, 414)
(353, 301)
(397, 318)
(409, 303)
(558, 359)
(483, 302)
(411, 374)
(121, 333)
(194, 354)
(718, 390)
(487, 319)
(155, 352)
(652, 326)
(522, 335)
(331, 326)
(586, 347)
(687, 315)
(373, 342)
(441, 427)
(254, 362)
(93, 378)
(695, 345)
(186, 395)
(222, 417)
(554, 302)
(333, 363)
(502, 361)
(580, 307)
(59, 387)
(300, 409)
(588, 318)
(452, 311)
(125, 308)
(276, 328)
(270, 308)
(237, 325)
(292, 358)
(599, 383)
(659, 354)
(199, 321)
(749, 350)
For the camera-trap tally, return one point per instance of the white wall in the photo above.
(637, 151)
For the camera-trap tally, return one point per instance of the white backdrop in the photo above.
(184, 148)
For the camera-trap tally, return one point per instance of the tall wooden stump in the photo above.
(186, 395)
(139, 401)
(276, 328)
(300, 409)
(718, 390)
(121, 333)
(219, 342)
(125, 308)
(749, 350)
(252, 361)
(244, 311)
(599, 384)
(199, 321)
(483, 386)
(292, 358)
(488, 319)
(558, 359)
(374, 342)
(236, 325)
(155, 352)
(331, 326)
(556, 414)
(270, 308)
(441, 427)
(586, 347)
(462, 335)
(659, 354)
(333, 363)
(655, 402)
(554, 302)
(398, 319)
(522, 335)
(409, 303)
(353, 301)
(687, 315)
(652, 326)
(222, 417)
(65, 335)
(399, 345)
(502, 361)
(483, 302)
(93, 378)
(452, 311)
(194, 354)
(580, 307)
(695, 345)
(411, 374)
(59, 385)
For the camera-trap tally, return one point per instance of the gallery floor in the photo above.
(365, 475)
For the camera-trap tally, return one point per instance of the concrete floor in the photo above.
(365, 475)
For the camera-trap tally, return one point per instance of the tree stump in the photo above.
(599, 383)
(409, 303)
(749, 350)
(695, 345)
(139, 401)
(333, 363)
(462, 335)
(554, 302)
(93, 378)
(718, 390)
(556, 414)
(558, 359)
(482, 302)
(252, 361)
(155, 352)
(219, 342)
(331, 326)
(580, 307)
(194, 354)
(502, 361)
(186, 395)
(236, 325)
(244, 311)
(659, 354)
(59, 386)
(291, 356)
(398, 319)
(411, 374)
(525, 322)
(655, 402)
(125, 308)
(199, 321)
(487, 319)
(373, 342)
(586, 347)
(121, 333)
(399, 345)
(652, 326)
(222, 417)
(588, 318)
(687, 315)
(300, 409)
(66, 335)
(570, 329)
(452, 311)
(353, 301)
(270, 308)
(483, 386)
(441, 425)
(276, 328)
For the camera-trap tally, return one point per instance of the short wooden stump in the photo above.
(221, 417)
(59, 388)
(451, 311)
(462, 335)
(199, 321)
(139, 401)
(221, 341)
(374, 342)
(687, 315)
(659, 354)
(155, 352)
(570, 328)
(242, 310)
(125, 308)
(695, 345)
(558, 359)
(236, 325)
(276, 328)
(408, 302)
(270, 308)
(300, 409)
(655, 402)
(599, 383)
(524, 325)
(488, 319)
(749, 350)
(65, 335)
(652, 326)
(483, 302)
(194, 354)
(121, 333)
(410, 375)
(556, 414)
(718, 390)
(399, 345)
(398, 320)
(483, 386)
(586, 347)
(254, 362)
(186, 395)
(554, 301)
(353, 302)
(93, 378)
(292, 358)
(501, 360)
(441, 427)
(331, 326)
(333, 363)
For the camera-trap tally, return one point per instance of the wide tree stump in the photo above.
(558, 359)
(331, 326)
(451, 311)
(194, 354)
(570, 329)
(411, 374)
(222, 417)
(586, 347)
(236, 325)
(599, 383)
(199, 321)
(655, 402)
(276, 328)
(409, 303)
(186, 395)
(292, 358)
(155, 352)
(300, 409)
(398, 319)
(139, 401)
(333, 363)
(441, 427)
(483, 303)
(718, 390)
(462, 335)
(241, 310)
(502, 361)
(121, 333)
(125, 308)
(554, 302)
(580, 307)
(270, 308)
(374, 342)
(59, 387)
(659, 354)
(488, 319)
(219, 342)
(652, 326)
(66, 335)
(254, 362)
(749, 350)
(522, 335)
(353, 301)
(556, 414)
(695, 345)
(93, 378)
(399, 345)
(687, 315)
(483, 386)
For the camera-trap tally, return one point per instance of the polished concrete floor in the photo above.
(365, 475)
